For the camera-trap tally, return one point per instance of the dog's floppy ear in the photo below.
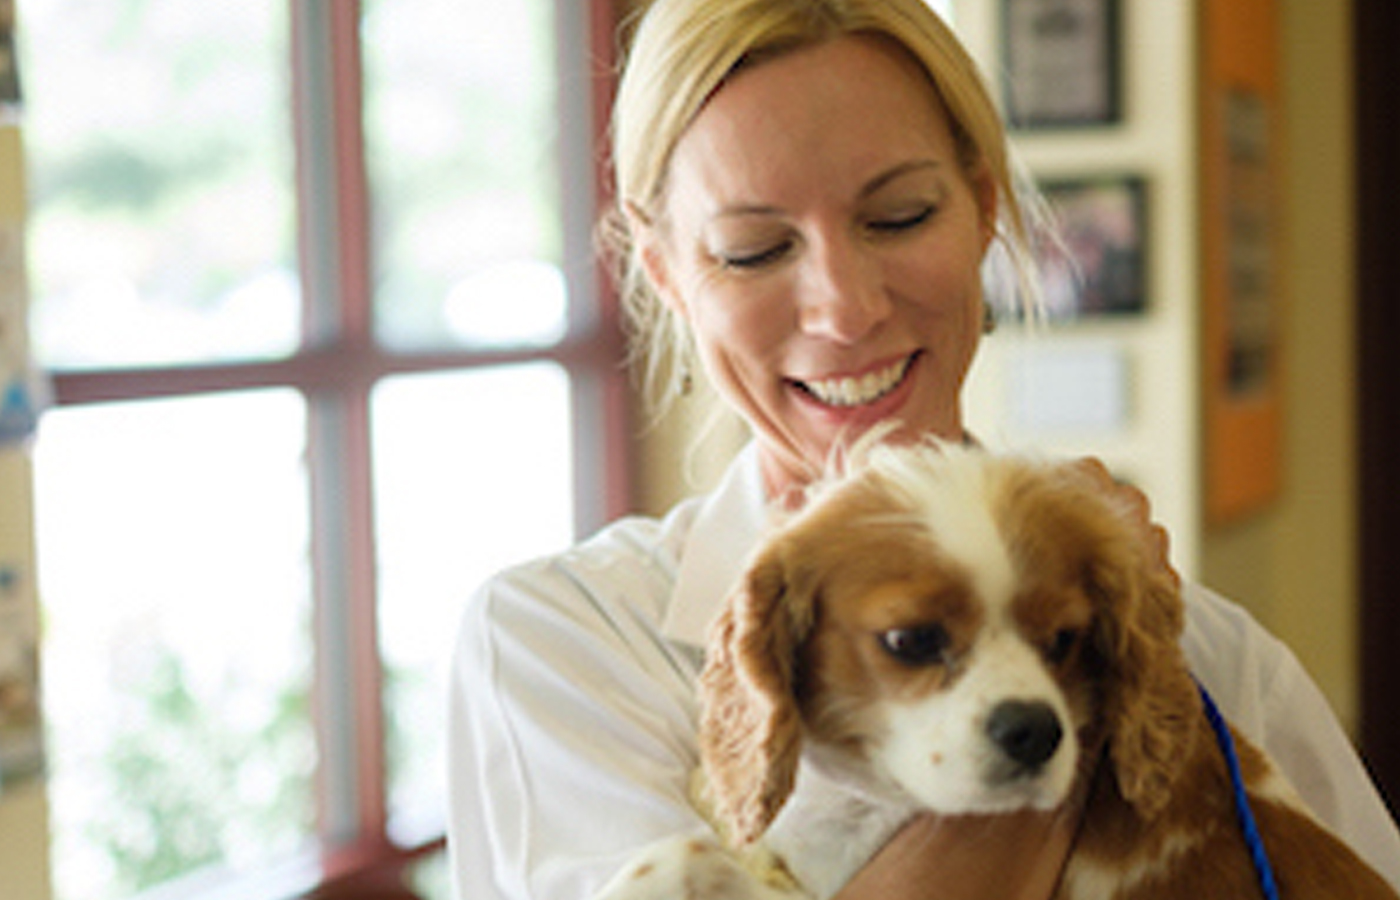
(1149, 699)
(750, 729)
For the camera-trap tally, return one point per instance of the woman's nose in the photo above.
(843, 293)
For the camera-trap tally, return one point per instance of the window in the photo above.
(316, 284)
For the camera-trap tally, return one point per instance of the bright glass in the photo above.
(173, 563)
(473, 471)
(159, 143)
(461, 122)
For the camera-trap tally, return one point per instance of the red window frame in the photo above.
(337, 366)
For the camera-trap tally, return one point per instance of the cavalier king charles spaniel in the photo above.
(959, 632)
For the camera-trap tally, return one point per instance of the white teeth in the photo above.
(858, 391)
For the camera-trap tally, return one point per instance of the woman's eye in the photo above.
(756, 259)
(922, 645)
(894, 224)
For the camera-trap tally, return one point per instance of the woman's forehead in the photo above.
(850, 110)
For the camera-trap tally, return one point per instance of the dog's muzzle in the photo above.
(1027, 733)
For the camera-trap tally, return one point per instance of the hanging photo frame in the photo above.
(1062, 62)
(9, 57)
(1099, 266)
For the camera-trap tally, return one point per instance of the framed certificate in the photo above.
(1061, 59)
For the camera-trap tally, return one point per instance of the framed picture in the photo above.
(9, 57)
(1061, 59)
(1099, 267)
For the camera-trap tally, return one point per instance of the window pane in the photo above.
(173, 556)
(473, 472)
(460, 118)
(160, 164)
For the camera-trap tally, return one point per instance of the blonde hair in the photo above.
(684, 50)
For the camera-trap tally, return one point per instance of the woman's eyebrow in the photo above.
(744, 210)
(897, 172)
(741, 210)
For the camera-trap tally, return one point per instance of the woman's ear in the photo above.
(984, 191)
(650, 244)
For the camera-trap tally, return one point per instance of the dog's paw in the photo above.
(689, 869)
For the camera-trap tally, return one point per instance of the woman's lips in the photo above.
(847, 393)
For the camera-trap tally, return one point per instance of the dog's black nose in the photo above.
(1027, 732)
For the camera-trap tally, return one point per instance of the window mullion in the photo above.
(334, 249)
(583, 55)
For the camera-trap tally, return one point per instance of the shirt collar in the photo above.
(726, 529)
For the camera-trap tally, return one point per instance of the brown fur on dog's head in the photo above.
(1072, 537)
(1149, 704)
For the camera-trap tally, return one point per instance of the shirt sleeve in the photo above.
(1308, 743)
(571, 732)
(1265, 691)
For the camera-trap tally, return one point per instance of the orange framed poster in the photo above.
(1241, 233)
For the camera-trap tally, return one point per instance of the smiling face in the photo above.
(822, 239)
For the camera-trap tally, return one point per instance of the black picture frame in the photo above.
(1098, 266)
(9, 57)
(1062, 61)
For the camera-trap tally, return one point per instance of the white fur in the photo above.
(1088, 880)
(938, 749)
(953, 505)
(834, 822)
(691, 868)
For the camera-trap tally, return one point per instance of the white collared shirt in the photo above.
(573, 706)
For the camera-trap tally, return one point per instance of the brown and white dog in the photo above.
(974, 634)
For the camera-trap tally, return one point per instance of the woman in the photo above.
(810, 188)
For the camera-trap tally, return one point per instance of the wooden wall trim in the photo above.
(1377, 34)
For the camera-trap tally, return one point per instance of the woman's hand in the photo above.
(1154, 535)
(1017, 856)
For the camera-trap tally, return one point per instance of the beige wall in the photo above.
(24, 836)
(685, 451)
(23, 807)
(24, 850)
(1295, 566)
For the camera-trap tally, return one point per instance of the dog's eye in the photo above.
(922, 645)
(1062, 645)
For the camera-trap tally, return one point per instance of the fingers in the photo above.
(1138, 508)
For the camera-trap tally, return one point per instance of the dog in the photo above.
(976, 634)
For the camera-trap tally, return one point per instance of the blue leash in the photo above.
(1242, 808)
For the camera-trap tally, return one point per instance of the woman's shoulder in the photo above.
(1268, 695)
(622, 573)
(1235, 657)
(1217, 629)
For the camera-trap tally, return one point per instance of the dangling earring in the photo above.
(685, 382)
(989, 318)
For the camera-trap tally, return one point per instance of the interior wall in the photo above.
(24, 852)
(1294, 565)
(1142, 366)
(24, 811)
(685, 450)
